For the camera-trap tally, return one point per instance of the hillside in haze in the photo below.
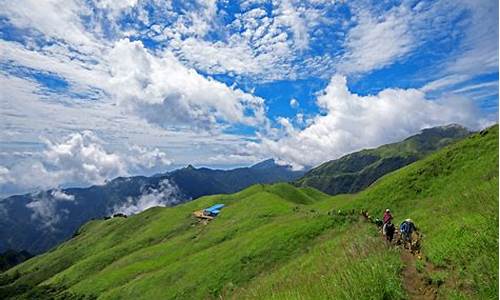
(36, 222)
(282, 242)
(356, 171)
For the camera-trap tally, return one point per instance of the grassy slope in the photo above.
(280, 242)
(356, 171)
(453, 198)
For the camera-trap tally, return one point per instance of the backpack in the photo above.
(405, 227)
(390, 229)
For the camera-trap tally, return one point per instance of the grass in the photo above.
(281, 242)
(343, 264)
(453, 198)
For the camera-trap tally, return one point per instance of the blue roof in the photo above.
(214, 207)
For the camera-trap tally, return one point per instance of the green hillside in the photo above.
(281, 242)
(356, 171)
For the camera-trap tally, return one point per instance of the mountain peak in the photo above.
(453, 127)
(265, 164)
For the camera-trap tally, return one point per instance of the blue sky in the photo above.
(97, 89)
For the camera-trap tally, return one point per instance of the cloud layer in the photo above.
(79, 159)
(167, 194)
(45, 207)
(350, 122)
(205, 79)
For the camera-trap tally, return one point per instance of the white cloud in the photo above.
(234, 159)
(351, 122)
(294, 103)
(443, 82)
(147, 158)
(262, 43)
(476, 53)
(218, 57)
(26, 116)
(116, 5)
(4, 175)
(166, 194)
(377, 41)
(80, 159)
(61, 195)
(166, 93)
(45, 207)
(57, 19)
(289, 15)
(480, 44)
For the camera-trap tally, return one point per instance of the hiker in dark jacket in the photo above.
(389, 231)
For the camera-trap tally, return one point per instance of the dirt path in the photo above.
(414, 282)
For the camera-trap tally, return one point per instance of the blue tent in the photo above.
(214, 210)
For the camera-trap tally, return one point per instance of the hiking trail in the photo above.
(414, 282)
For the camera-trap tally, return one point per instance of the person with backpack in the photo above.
(406, 229)
(387, 219)
(389, 231)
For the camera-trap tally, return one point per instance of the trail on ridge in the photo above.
(415, 282)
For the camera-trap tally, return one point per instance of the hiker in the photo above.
(387, 218)
(389, 231)
(406, 229)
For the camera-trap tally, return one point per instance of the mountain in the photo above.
(36, 222)
(283, 242)
(354, 172)
(204, 181)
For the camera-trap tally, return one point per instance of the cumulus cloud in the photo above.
(79, 159)
(82, 157)
(377, 41)
(45, 207)
(167, 93)
(143, 157)
(350, 122)
(153, 85)
(166, 194)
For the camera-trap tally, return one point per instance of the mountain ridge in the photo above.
(353, 172)
(28, 215)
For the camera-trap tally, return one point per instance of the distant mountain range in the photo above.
(354, 172)
(38, 221)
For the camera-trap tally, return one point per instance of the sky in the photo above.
(91, 90)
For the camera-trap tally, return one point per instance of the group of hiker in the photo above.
(406, 228)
